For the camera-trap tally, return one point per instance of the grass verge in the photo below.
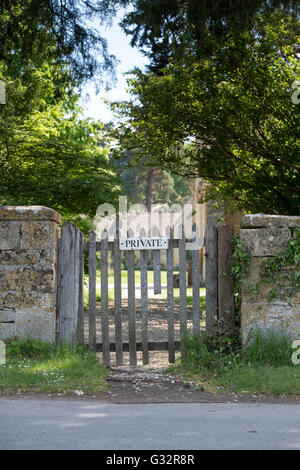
(263, 367)
(257, 380)
(34, 366)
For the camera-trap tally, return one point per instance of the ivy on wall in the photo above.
(283, 271)
(239, 268)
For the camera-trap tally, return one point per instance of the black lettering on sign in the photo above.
(143, 243)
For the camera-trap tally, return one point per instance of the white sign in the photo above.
(151, 243)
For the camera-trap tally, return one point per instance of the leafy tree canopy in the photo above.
(161, 28)
(66, 31)
(147, 185)
(48, 155)
(236, 126)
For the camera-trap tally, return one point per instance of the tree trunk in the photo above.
(190, 273)
(149, 188)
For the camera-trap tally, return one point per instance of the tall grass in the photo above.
(203, 354)
(267, 347)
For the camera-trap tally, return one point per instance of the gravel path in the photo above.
(157, 328)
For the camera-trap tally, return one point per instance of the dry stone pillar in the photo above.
(266, 236)
(28, 251)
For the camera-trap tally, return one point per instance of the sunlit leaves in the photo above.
(236, 113)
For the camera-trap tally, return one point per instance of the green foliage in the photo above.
(36, 349)
(268, 348)
(163, 29)
(267, 380)
(282, 271)
(235, 110)
(34, 366)
(48, 154)
(134, 175)
(239, 268)
(265, 367)
(42, 30)
(134, 182)
(208, 354)
(29, 348)
(212, 354)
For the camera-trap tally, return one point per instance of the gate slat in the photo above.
(77, 277)
(156, 265)
(80, 324)
(170, 300)
(182, 287)
(131, 307)
(196, 287)
(104, 300)
(211, 249)
(92, 290)
(118, 298)
(156, 271)
(144, 305)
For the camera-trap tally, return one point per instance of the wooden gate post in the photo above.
(70, 284)
(225, 279)
(211, 252)
(219, 280)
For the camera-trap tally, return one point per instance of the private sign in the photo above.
(151, 243)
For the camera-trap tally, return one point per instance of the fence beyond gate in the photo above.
(70, 298)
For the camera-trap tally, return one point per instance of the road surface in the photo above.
(74, 424)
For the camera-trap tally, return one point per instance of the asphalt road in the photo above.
(58, 424)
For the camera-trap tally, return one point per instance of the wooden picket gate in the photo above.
(70, 311)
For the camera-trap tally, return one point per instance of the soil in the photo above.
(153, 383)
(158, 386)
(140, 385)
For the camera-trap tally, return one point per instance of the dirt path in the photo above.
(157, 327)
(140, 385)
(157, 330)
(153, 383)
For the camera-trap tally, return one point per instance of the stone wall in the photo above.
(266, 236)
(28, 247)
